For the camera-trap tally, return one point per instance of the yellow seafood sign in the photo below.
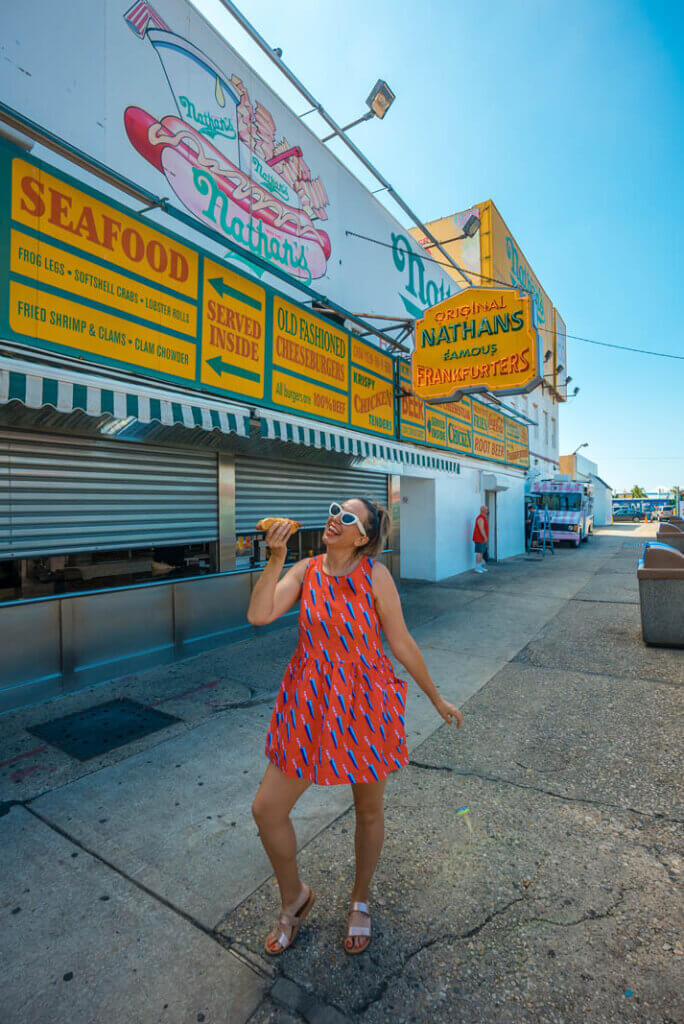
(481, 339)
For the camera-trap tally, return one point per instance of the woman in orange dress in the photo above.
(339, 715)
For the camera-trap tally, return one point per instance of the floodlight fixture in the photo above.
(470, 229)
(471, 226)
(380, 99)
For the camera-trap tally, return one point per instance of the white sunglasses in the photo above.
(346, 518)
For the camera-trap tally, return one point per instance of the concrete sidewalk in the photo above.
(135, 889)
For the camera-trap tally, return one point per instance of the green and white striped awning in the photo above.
(278, 426)
(66, 390)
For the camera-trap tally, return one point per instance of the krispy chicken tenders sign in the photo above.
(483, 339)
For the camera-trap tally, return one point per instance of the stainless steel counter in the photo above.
(58, 644)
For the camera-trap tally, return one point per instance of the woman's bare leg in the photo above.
(370, 835)
(271, 808)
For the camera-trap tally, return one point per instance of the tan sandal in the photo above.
(294, 923)
(358, 929)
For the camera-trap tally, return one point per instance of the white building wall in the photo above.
(603, 504)
(417, 528)
(585, 469)
(510, 512)
(540, 405)
(457, 505)
(438, 515)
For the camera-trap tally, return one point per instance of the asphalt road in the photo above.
(134, 888)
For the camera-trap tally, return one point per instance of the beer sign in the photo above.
(482, 339)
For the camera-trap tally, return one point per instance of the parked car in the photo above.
(627, 514)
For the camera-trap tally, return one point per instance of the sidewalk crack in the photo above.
(654, 815)
(591, 915)
(446, 937)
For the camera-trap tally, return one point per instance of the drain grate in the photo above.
(104, 727)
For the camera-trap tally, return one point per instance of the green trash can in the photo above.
(661, 593)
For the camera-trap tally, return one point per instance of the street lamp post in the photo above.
(470, 229)
(380, 99)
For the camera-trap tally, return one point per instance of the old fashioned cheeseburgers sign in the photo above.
(482, 339)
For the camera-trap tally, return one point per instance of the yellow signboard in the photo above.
(462, 409)
(233, 331)
(489, 448)
(47, 265)
(482, 339)
(67, 323)
(488, 421)
(87, 277)
(412, 410)
(517, 443)
(308, 397)
(69, 215)
(436, 428)
(467, 427)
(372, 402)
(459, 437)
(371, 358)
(309, 345)
(412, 432)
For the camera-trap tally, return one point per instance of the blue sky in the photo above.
(571, 118)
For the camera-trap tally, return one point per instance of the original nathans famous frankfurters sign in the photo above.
(482, 339)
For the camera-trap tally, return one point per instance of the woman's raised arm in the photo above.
(401, 643)
(273, 597)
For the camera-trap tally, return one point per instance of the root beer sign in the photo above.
(482, 339)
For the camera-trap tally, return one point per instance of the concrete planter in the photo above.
(672, 535)
(661, 592)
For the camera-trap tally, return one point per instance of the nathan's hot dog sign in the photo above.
(223, 157)
(483, 339)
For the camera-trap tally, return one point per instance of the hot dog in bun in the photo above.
(269, 521)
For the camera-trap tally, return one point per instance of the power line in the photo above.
(507, 284)
(623, 348)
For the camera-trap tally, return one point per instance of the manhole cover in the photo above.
(102, 728)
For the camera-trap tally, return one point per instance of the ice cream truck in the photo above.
(570, 505)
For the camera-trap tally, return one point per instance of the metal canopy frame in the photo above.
(275, 57)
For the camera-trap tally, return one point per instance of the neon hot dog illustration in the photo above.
(255, 191)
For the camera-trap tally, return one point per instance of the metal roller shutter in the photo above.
(4, 500)
(60, 495)
(300, 491)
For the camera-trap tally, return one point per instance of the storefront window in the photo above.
(251, 551)
(97, 570)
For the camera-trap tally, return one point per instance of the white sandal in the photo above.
(293, 922)
(358, 929)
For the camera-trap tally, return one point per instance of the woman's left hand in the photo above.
(449, 712)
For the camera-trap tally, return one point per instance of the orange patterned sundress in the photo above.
(339, 713)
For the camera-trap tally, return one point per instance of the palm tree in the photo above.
(638, 492)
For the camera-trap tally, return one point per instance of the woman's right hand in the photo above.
(277, 538)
